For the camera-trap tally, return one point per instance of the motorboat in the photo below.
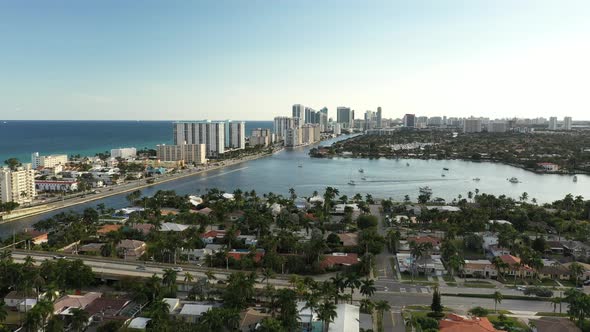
(361, 170)
(364, 178)
(408, 164)
(476, 179)
(300, 166)
(443, 175)
(575, 179)
(445, 169)
(513, 180)
(351, 182)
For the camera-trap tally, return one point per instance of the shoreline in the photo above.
(461, 159)
(45, 208)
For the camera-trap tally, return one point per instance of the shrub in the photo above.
(479, 311)
(427, 323)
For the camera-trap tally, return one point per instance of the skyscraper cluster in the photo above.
(217, 136)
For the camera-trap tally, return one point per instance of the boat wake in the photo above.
(224, 173)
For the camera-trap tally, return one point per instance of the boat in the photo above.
(445, 169)
(300, 166)
(575, 179)
(408, 164)
(476, 179)
(443, 175)
(364, 178)
(513, 180)
(426, 190)
(351, 182)
(361, 170)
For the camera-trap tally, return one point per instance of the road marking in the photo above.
(402, 290)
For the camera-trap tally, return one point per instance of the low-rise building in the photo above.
(339, 259)
(456, 323)
(515, 267)
(131, 249)
(55, 185)
(479, 268)
(549, 167)
(192, 312)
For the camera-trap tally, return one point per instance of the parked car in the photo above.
(59, 257)
(177, 269)
(140, 267)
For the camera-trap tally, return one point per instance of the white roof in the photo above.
(446, 208)
(195, 200)
(228, 196)
(172, 303)
(195, 309)
(172, 227)
(129, 210)
(347, 319)
(316, 199)
(341, 207)
(139, 323)
(304, 313)
(501, 222)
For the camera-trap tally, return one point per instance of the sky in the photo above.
(252, 59)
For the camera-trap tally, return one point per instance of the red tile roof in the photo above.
(456, 323)
(339, 259)
(108, 228)
(510, 260)
(237, 255)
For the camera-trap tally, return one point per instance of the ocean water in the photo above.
(21, 138)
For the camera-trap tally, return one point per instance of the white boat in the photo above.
(513, 180)
(476, 179)
(425, 190)
(575, 179)
(361, 170)
(351, 182)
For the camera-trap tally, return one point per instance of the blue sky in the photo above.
(107, 59)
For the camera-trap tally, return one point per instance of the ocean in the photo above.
(21, 138)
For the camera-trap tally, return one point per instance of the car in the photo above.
(587, 283)
(177, 269)
(140, 267)
(59, 257)
(521, 288)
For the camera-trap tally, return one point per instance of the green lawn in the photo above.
(448, 278)
(478, 284)
(418, 277)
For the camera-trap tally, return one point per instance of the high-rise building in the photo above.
(294, 137)
(472, 125)
(261, 136)
(189, 153)
(370, 120)
(310, 133)
(421, 121)
(48, 161)
(344, 116)
(17, 185)
(379, 118)
(553, 123)
(212, 134)
(498, 127)
(435, 121)
(235, 137)
(337, 130)
(310, 115)
(124, 153)
(282, 124)
(410, 120)
(299, 112)
(567, 123)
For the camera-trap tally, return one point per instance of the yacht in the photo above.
(513, 180)
(361, 170)
(426, 190)
(575, 179)
(445, 169)
(351, 182)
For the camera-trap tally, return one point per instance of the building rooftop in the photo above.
(456, 323)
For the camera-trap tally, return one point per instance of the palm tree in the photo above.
(311, 303)
(3, 312)
(455, 263)
(169, 278)
(188, 278)
(367, 306)
(576, 270)
(210, 275)
(352, 282)
(32, 321)
(267, 274)
(326, 313)
(381, 306)
(79, 319)
(367, 287)
(497, 296)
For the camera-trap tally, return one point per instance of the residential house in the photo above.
(577, 249)
(131, 249)
(434, 241)
(552, 324)
(515, 266)
(68, 302)
(105, 229)
(548, 167)
(14, 298)
(479, 268)
(138, 323)
(172, 227)
(35, 236)
(192, 312)
(339, 259)
(173, 304)
(456, 323)
(497, 251)
(143, 228)
(431, 265)
(586, 275)
(348, 239)
(250, 319)
(554, 270)
(106, 308)
(88, 249)
(249, 240)
(237, 254)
